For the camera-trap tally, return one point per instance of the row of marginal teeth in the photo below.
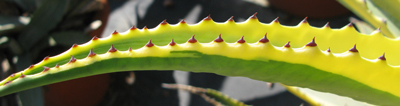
(193, 40)
(240, 41)
(208, 18)
(172, 43)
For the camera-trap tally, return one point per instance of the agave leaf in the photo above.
(341, 71)
(359, 8)
(317, 98)
(30, 97)
(362, 26)
(44, 20)
(387, 10)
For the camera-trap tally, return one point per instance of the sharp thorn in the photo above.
(112, 49)
(312, 43)
(72, 60)
(219, 39)
(350, 24)
(231, 19)
(264, 39)
(241, 40)
(46, 58)
(254, 16)
(31, 66)
(133, 28)
(192, 40)
(354, 49)
(8, 82)
(130, 49)
(287, 45)
(164, 22)
(149, 44)
(382, 57)
(115, 32)
(275, 20)
(327, 25)
(46, 69)
(95, 38)
(91, 53)
(74, 45)
(22, 75)
(12, 75)
(183, 21)
(208, 17)
(172, 43)
(304, 20)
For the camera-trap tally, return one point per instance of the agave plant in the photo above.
(340, 61)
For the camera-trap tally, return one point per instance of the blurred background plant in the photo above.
(33, 29)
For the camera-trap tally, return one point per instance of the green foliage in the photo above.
(279, 69)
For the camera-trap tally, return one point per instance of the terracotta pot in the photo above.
(87, 91)
(311, 8)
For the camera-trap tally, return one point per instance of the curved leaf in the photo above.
(345, 69)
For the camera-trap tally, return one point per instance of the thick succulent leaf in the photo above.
(360, 8)
(316, 98)
(362, 27)
(387, 10)
(341, 71)
(45, 18)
